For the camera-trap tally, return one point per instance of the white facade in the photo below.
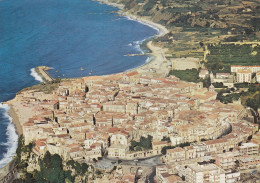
(253, 69)
(244, 76)
(258, 77)
(205, 173)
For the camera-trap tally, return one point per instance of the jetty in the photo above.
(138, 54)
(42, 71)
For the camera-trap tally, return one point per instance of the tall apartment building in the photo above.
(244, 75)
(249, 149)
(253, 69)
(226, 161)
(258, 77)
(204, 173)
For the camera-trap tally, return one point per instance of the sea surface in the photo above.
(74, 37)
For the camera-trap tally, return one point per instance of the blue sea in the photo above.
(73, 37)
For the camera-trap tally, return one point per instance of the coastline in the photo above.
(7, 168)
(120, 6)
(156, 52)
(161, 29)
(15, 120)
(143, 20)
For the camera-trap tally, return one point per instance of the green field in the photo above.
(222, 56)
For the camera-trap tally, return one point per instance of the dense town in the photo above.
(156, 123)
(195, 136)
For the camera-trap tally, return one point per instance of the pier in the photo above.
(138, 54)
(42, 71)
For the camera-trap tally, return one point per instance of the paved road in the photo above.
(153, 161)
(108, 163)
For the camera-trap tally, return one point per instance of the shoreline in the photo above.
(7, 168)
(15, 120)
(17, 131)
(158, 53)
(120, 6)
(42, 70)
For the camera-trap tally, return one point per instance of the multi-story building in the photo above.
(249, 162)
(253, 69)
(232, 177)
(226, 161)
(119, 144)
(176, 154)
(204, 173)
(258, 76)
(249, 149)
(243, 75)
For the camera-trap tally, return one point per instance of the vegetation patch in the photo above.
(47, 87)
(164, 149)
(250, 98)
(191, 75)
(222, 56)
(145, 143)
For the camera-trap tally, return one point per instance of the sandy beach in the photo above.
(162, 30)
(158, 64)
(15, 120)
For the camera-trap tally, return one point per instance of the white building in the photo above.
(258, 77)
(203, 73)
(244, 76)
(253, 69)
(205, 173)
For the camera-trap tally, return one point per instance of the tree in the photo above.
(84, 168)
(71, 163)
(47, 160)
(252, 103)
(138, 148)
(56, 161)
(145, 143)
(206, 82)
(78, 167)
(166, 139)
(133, 145)
(19, 149)
(68, 176)
(29, 178)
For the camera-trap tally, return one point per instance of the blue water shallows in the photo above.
(74, 37)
